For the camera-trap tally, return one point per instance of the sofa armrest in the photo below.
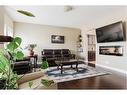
(37, 84)
(73, 56)
(28, 77)
(24, 59)
(36, 77)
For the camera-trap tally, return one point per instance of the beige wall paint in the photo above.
(112, 62)
(41, 35)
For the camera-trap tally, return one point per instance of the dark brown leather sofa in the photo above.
(22, 66)
(56, 54)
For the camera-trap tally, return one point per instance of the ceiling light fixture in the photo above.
(26, 13)
(68, 8)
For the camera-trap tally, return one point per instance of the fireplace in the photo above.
(111, 50)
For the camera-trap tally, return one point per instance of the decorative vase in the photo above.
(31, 52)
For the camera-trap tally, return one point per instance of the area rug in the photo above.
(71, 74)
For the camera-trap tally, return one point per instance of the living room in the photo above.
(73, 25)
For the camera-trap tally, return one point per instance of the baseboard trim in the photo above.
(112, 69)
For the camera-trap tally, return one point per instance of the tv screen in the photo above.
(110, 33)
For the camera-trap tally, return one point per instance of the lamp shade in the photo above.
(5, 38)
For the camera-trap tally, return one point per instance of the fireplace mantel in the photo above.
(5, 38)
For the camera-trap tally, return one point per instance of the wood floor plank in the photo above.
(112, 81)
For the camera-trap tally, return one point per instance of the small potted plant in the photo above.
(31, 47)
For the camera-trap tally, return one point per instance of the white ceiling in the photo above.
(55, 15)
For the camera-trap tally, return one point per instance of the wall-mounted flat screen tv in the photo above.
(110, 33)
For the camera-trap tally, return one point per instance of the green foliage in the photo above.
(14, 44)
(12, 48)
(5, 64)
(18, 55)
(31, 46)
(46, 82)
(44, 65)
(30, 83)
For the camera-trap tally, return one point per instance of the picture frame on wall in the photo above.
(57, 39)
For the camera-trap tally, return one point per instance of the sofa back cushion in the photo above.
(57, 53)
(48, 53)
(66, 51)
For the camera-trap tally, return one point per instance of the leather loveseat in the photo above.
(22, 66)
(56, 54)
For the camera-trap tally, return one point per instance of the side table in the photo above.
(35, 57)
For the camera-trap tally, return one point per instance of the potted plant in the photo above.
(8, 78)
(31, 47)
(7, 75)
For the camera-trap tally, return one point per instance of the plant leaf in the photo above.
(14, 44)
(44, 65)
(18, 40)
(30, 83)
(3, 62)
(19, 55)
(46, 82)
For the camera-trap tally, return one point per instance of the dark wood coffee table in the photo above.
(61, 63)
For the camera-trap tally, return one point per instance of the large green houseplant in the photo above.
(8, 77)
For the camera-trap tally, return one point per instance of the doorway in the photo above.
(91, 48)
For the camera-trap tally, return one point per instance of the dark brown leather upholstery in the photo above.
(55, 54)
(22, 66)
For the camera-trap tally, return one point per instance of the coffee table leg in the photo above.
(71, 66)
(58, 67)
(77, 67)
(61, 69)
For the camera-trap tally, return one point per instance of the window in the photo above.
(8, 31)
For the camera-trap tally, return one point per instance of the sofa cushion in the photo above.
(47, 52)
(21, 67)
(57, 52)
(49, 56)
(66, 51)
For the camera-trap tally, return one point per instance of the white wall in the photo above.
(8, 22)
(118, 63)
(1, 23)
(41, 35)
(4, 20)
(1, 20)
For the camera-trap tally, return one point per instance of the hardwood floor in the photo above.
(112, 81)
